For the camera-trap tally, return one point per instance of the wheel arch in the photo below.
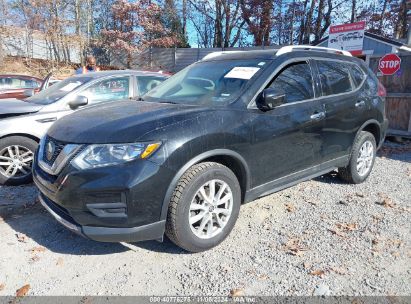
(35, 138)
(228, 158)
(372, 126)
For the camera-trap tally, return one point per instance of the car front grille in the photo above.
(54, 155)
(48, 158)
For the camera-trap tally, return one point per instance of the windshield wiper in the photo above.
(170, 102)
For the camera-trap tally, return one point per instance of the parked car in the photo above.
(224, 131)
(23, 123)
(14, 86)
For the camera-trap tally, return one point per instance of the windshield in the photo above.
(207, 83)
(58, 90)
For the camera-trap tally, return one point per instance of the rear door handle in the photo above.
(360, 104)
(317, 116)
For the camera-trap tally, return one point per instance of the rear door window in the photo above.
(357, 74)
(18, 83)
(335, 77)
(295, 82)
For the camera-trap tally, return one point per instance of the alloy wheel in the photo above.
(210, 209)
(365, 158)
(15, 161)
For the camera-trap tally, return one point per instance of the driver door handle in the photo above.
(360, 104)
(317, 116)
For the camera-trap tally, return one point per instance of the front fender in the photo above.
(195, 160)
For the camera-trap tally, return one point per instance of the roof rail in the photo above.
(215, 54)
(290, 48)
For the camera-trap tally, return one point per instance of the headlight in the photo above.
(111, 154)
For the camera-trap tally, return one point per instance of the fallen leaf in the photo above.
(294, 247)
(23, 291)
(347, 227)
(337, 232)
(37, 249)
(359, 194)
(385, 201)
(377, 218)
(2, 286)
(323, 216)
(238, 292)
(263, 277)
(395, 253)
(290, 207)
(307, 265)
(339, 270)
(319, 273)
(60, 261)
(21, 237)
(394, 243)
(34, 258)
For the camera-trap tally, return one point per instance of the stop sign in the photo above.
(389, 64)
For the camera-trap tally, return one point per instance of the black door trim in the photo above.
(295, 178)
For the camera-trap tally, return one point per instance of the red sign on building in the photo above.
(389, 64)
(347, 37)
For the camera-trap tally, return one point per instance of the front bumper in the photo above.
(152, 231)
(109, 204)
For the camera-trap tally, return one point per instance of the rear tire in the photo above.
(16, 158)
(362, 159)
(204, 207)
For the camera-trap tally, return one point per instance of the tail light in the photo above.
(382, 92)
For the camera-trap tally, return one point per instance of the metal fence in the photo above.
(173, 59)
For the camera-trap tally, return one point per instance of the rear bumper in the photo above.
(153, 231)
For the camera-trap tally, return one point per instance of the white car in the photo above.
(23, 123)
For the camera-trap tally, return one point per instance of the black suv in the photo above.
(226, 130)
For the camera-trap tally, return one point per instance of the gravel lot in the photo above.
(319, 237)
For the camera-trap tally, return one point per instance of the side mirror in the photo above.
(28, 93)
(77, 102)
(269, 99)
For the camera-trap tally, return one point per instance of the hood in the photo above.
(119, 122)
(13, 107)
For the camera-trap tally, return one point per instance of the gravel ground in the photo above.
(319, 237)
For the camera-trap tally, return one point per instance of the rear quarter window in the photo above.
(335, 77)
(18, 83)
(358, 75)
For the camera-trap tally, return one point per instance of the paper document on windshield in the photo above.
(70, 86)
(242, 72)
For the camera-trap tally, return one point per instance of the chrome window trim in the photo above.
(252, 105)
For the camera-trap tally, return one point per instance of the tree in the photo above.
(137, 26)
(257, 15)
(218, 23)
(171, 20)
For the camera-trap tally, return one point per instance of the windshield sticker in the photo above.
(71, 86)
(242, 72)
(261, 63)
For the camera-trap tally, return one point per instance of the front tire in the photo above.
(16, 158)
(362, 159)
(204, 207)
